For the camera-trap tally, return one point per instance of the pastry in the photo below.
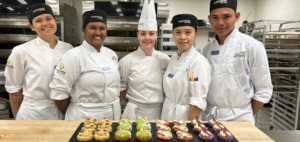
(180, 128)
(90, 120)
(199, 127)
(89, 125)
(185, 136)
(164, 135)
(84, 136)
(107, 128)
(212, 122)
(143, 135)
(124, 127)
(92, 130)
(106, 121)
(179, 122)
(143, 127)
(124, 121)
(122, 135)
(141, 120)
(225, 136)
(205, 135)
(162, 122)
(195, 121)
(163, 127)
(101, 135)
(217, 127)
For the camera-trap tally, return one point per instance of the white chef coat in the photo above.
(240, 73)
(92, 81)
(30, 66)
(180, 92)
(141, 76)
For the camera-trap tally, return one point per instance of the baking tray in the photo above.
(112, 134)
(154, 134)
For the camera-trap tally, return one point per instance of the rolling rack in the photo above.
(166, 41)
(282, 43)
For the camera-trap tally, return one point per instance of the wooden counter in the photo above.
(62, 131)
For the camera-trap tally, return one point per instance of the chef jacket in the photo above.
(92, 81)
(30, 66)
(245, 60)
(182, 91)
(141, 76)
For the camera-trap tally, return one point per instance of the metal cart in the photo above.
(282, 43)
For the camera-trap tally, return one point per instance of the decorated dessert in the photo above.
(105, 121)
(84, 136)
(122, 135)
(141, 120)
(101, 135)
(225, 136)
(143, 127)
(92, 130)
(162, 122)
(179, 122)
(199, 127)
(212, 122)
(107, 128)
(124, 127)
(217, 127)
(89, 125)
(90, 120)
(162, 127)
(195, 122)
(205, 135)
(164, 135)
(143, 135)
(125, 121)
(180, 128)
(185, 136)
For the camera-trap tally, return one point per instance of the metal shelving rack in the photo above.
(282, 43)
(166, 41)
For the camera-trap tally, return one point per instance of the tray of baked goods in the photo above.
(93, 130)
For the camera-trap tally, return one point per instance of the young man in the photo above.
(241, 81)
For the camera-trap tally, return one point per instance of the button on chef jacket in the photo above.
(30, 66)
(141, 76)
(180, 92)
(91, 79)
(240, 73)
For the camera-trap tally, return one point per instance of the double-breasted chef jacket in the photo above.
(92, 81)
(240, 73)
(185, 83)
(141, 76)
(30, 66)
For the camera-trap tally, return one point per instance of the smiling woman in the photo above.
(89, 82)
(30, 66)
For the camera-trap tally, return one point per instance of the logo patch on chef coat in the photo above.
(242, 54)
(8, 64)
(106, 69)
(170, 75)
(215, 52)
(60, 70)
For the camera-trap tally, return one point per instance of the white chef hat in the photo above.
(148, 17)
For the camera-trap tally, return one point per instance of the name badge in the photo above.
(216, 52)
(170, 75)
(106, 69)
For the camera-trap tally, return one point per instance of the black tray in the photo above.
(153, 132)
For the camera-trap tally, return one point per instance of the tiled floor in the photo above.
(263, 118)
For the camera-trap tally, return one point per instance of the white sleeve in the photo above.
(199, 69)
(124, 69)
(15, 71)
(66, 73)
(260, 73)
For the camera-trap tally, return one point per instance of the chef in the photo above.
(86, 81)
(29, 68)
(187, 77)
(241, 81)
(142, 71)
